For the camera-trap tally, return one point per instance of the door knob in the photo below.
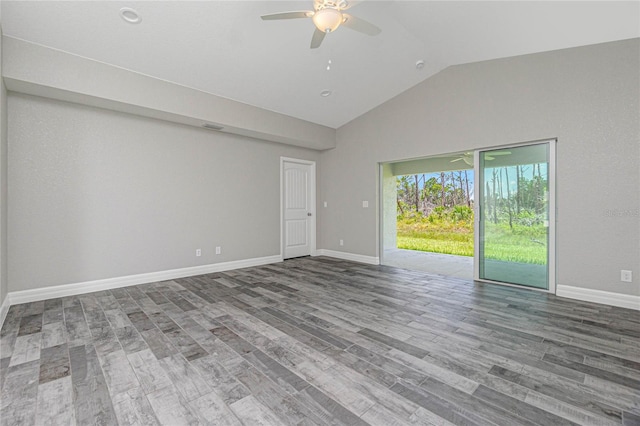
(308, 214)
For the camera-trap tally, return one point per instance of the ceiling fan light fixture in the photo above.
(327, 20)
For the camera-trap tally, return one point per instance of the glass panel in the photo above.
(514, 215)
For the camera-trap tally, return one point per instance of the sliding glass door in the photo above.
(515, 233)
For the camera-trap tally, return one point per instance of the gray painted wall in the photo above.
(587, 97)
(98, 194)
(3, 184)
(42, 71)
(389, 202)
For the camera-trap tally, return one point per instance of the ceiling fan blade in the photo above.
(488, 157)
(317, 38)
(360, 25)
(457, 159)
(288, 15)
(495, 154)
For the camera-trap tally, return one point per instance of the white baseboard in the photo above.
(599, 296)
(4, 310)
(34, 295)
(371, 260)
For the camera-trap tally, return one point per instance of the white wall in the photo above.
(587, 97)
(98, 194)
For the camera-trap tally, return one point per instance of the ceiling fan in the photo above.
(328, 15)
(467, 157)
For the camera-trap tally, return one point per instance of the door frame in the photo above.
(551, 254)
(312, 207)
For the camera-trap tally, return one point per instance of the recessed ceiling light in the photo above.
(325, 93)
(130, 15)
(420, 64)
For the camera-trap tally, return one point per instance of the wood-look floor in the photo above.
(319, 341)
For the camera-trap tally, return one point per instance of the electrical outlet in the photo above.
(365, 204)
(341, 242)
(626, 276)
(198, 252)
(218, 250)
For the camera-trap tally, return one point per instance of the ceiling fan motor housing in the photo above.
(330, 4)
(327, 16)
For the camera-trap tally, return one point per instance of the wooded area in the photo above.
(515, 193)
(523, 201)
(421, 194)
(435, 212)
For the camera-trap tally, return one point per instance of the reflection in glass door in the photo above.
(516, 206)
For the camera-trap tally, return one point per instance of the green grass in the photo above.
(515, 246)
(440, 236)
(522, 244)
(437, 242)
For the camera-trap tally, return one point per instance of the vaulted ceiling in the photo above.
(224, 48)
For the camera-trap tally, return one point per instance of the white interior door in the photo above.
(298, 206)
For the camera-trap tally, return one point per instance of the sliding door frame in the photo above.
(551, 250)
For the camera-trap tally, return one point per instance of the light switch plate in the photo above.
(365, 204)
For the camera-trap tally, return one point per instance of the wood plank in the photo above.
(319, 341)
(55, 403)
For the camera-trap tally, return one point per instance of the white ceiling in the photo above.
(224, 48)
